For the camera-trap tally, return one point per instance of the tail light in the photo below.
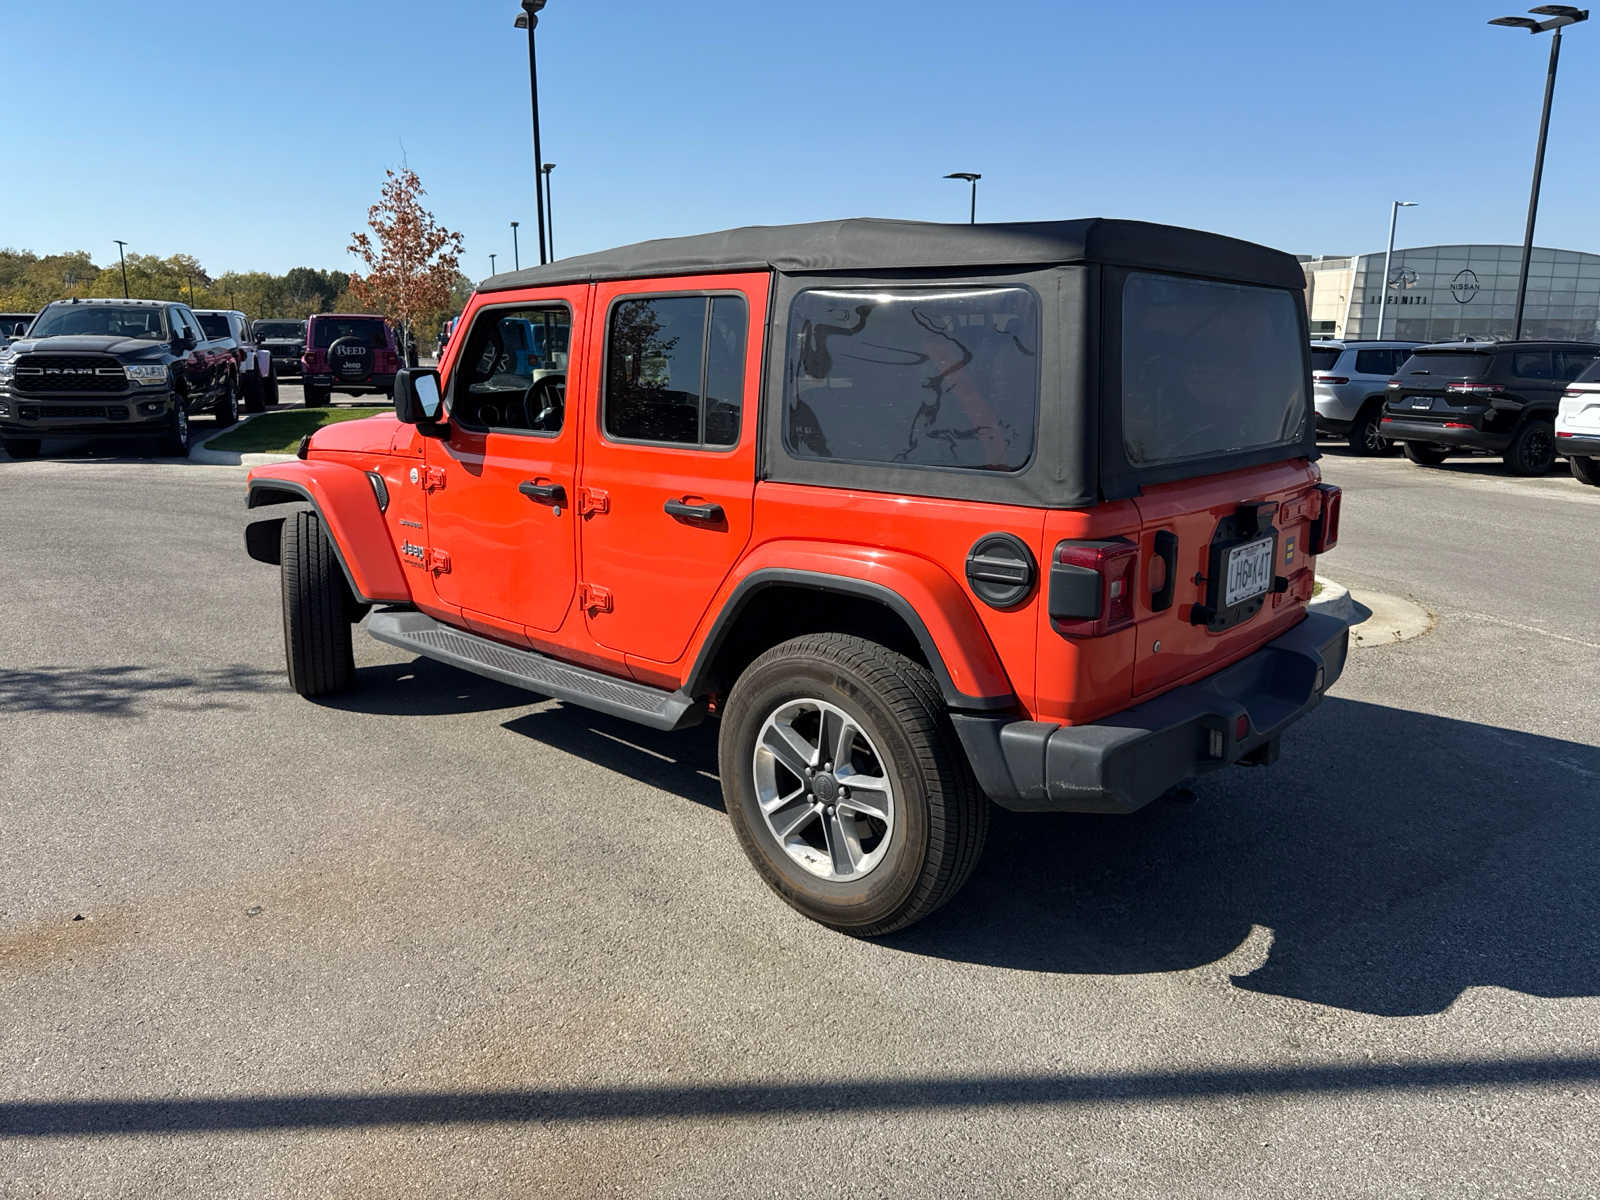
(1325, 529)
(1091, 587)
(1330, 379)
(314, 359)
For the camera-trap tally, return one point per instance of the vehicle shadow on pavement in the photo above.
(684, 762)
(128, 691)
(424, 688)
(1395, 857)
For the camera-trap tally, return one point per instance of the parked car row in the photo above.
(1530, 402)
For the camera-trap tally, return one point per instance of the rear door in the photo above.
(669, 455)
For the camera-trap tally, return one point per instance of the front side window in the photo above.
(917, 377)
(513, 373)
(675, 370)
(1208, 369)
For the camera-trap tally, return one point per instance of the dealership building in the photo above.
(1437, 293)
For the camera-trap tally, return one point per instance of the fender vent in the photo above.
(1001, 570)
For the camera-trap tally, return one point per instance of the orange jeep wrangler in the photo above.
(929, 517)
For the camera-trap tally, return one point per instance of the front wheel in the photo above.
(1584, 470)
(1533, 448)
(316, 609)
(846, 786)
(227, 407)
(175, 442)
(1425, 456)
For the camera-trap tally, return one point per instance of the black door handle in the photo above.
(706, 514)
(551, 492)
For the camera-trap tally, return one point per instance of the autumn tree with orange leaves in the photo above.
(413, 262)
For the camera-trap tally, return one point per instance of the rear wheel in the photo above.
(21, 447)
(253, 401)
(1585, 470)
(1365, 437)
(316, 397)
(269, 391)
(845, 783)
(1424, 455)
(316, 609)
(1533, 448)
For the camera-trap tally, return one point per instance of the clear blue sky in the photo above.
(257, 137)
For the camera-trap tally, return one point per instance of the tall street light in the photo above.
(549, 207)
(516, 253)
(971, 177)
(1557, 16)
(124, 258)
(528, 19)
(1383, 288)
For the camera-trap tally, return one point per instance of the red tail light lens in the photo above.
(1325, 529)
(1091, 587)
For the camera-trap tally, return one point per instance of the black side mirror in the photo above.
(417, 397)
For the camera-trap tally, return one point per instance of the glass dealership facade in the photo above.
(1437, 293)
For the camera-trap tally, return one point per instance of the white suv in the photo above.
(1347, 386)
(1578, 425)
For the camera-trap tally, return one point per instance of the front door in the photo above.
(669, 455)
(500, 540)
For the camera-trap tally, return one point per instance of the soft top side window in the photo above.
(512, 375)
(945, 377)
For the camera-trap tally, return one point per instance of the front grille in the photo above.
(73, 412)
(69, 373)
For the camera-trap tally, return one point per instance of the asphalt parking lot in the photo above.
(437, 939)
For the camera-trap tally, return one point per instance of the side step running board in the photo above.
(422, 635)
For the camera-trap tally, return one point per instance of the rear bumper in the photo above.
(372, 383)
(1122, 763)
(1573, 445)
(1399, 429)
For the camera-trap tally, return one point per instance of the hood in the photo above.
(86, 343)
(367, 435)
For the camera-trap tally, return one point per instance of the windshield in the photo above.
(1447, 365)
(370, 332)
(215, 324)
(1323, 357)
(105, 320)
(1209, 368)
(280, 329)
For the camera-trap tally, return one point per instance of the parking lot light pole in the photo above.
(516, 252)
(1557, 16)
(124, 259)
(549, 207)
(1383, 287)
(971, 177)
(528, 19)
(492, 257)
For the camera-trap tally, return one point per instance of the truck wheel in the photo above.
(227, 408)
(253, 399)
(175, 442)
(315, 397)
(29, 447)
(316, 609)
(269, 391)
(1533, 448)
(1424, 455)
(1585, 470)
(1365, 438)
(846, 785)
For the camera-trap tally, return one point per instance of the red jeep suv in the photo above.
(928, 517)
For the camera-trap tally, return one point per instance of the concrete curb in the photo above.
(1375, 618)
(230, 458)
(1335, 601)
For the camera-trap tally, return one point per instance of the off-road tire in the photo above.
(1533, 448)
(269, 390)
(1365, 438)
(226, 411)
(316, 397)
(1586, 470)
(253, 401)
(316, 609)
(1424, 455)
(942, 817)
(21, 447)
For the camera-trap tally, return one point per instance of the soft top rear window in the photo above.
(1209, 369)
(1447, 364)
(1323, 357)
(369, 329)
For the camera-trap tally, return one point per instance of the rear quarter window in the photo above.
(1324, 358)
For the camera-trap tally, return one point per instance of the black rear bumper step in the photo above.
(421, 634)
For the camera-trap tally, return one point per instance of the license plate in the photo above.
(1422, 404)
(1249, 572)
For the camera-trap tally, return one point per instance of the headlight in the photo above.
(150, 373)
(8, 368)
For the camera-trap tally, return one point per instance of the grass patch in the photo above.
(1316, 590)
(280, 433)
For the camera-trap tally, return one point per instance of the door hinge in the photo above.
(593, 500)
(439, 562)
(432, 479)
(593, 599)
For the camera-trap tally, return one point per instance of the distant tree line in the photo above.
(29, 281)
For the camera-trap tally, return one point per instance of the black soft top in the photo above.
(867, 245)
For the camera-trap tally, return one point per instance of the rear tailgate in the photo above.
(1439, 386)
(1255, 522)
